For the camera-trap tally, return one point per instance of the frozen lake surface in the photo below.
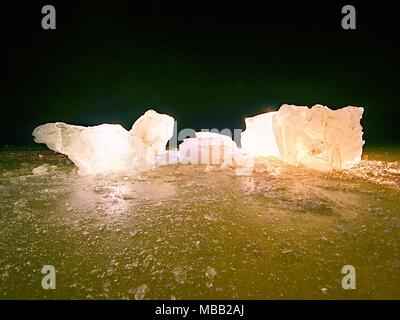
(194, 232)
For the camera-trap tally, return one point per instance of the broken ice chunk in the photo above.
(319, 138)
(167, 157)
(208, 148)
(57, 136)
(141, 292)
(98, 149)
(258, 140)
(244, 164)
(41, 170)
(154, 130)
(109, 148)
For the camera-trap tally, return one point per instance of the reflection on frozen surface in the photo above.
(194, 232)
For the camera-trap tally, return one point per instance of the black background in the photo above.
(207, 65)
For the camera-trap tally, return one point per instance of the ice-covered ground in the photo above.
(192, 231)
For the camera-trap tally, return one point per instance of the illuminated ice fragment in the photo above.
(258, 140)
(141, 292)
(42, 170)
(244, 164)
(210, 272)
(154, 130)
(319, 138)
(57, 136)
(208, 148)
(167, 157)
(109, 148)
(105, 148)
(179, 274)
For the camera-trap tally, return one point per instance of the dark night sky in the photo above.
(208, 66)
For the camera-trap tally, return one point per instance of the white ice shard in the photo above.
(43, 169)
(99, 149)
(109, 148)
(244, 164)
(319, 138)
(154, 130)
(208, 148)
(258, 140)
(167, 157)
